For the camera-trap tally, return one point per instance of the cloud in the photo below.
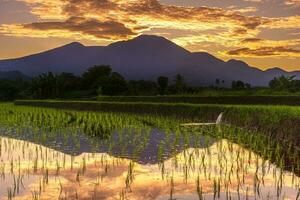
(265, 52)
(257, 42)
(127, 18)
(93, 27)
(290, 22)
(111, 20)
(246, 10)
(255, 1)
(251, 40)
(293, 3)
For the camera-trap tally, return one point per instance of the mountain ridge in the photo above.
(12, 75)
(143, 57)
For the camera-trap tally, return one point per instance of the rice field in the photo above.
(48, 153)
(222, 98)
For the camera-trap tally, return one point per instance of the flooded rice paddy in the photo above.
(133, 161)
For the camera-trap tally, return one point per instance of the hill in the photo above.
(12, 75)
(144, 57)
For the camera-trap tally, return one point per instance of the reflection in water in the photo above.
(141, 145)
(223, 170)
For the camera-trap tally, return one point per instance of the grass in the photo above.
(281, 122)
(210, 99)
(275, 128)
(256, 91)
(47, 124)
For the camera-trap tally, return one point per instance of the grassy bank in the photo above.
(240, 100)
(281, 122)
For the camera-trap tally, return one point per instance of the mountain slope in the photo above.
(12, 75)
(144, 57)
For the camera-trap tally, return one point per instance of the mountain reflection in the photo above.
(221, 170)
(141, 145)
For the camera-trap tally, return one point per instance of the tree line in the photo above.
(97, 80)
(101, 80)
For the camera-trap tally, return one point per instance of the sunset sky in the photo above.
(264, 33)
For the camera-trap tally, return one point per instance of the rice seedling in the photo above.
(232, 162)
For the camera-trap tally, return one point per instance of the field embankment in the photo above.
(239, 100)
(282, 122)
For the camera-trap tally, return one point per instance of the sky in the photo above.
(263, 33)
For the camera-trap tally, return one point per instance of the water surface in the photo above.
(132, 167)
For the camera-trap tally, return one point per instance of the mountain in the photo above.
(12, 75)
(144, 57)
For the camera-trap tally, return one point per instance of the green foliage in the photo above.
(285, 83)
(96, 76)
(240, 98)
(179, 83)
(142, 87)
(179, 86)
(281, 121)
(100, 80)
(163, 83)
(67, 82)
(8, 90)
(44, 86)
(115, 85)
(240, 85)
(240, 156)
(103, 81)
(49, 85)
(56, 121)
(271, 131)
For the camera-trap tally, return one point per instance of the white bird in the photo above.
(218, 122)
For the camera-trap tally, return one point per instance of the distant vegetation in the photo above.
(102, 81)
(232, 100)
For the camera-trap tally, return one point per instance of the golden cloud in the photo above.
(111, 20)
(92, 27)
(292, 2)
(291, 22)
(246, 10)
(255, 1)
(265, 52)
(127, 18)
(256, 42)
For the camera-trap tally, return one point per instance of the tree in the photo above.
(96, 76)
(282, 83)
(179, 83)
(238, 85)
(162, 82)
(247, 85)
(44, 86)
(217, 82)
(67, 82)
(142, 87)
(8, 90)
(115, 85)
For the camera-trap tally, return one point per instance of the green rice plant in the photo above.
(282, 122)
(199, 189)
(128, 135)
(222, 98)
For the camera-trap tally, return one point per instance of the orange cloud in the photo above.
(255, 1)
(265, 52)
(127, 18)
(111, 20)
(292, 2)
(246, 10)
(256, 42)
(93, 27)
(290, 22)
